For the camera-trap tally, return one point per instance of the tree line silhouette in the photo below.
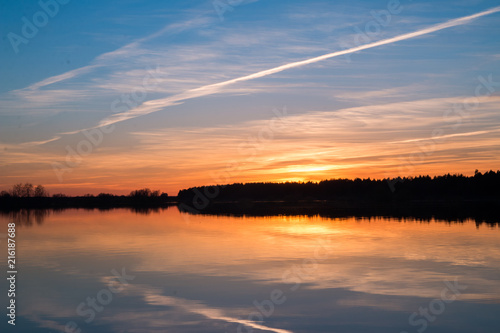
(480, 187)
(25, 191)
(37, 197)
(447, 197)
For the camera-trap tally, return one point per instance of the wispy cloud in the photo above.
(201, 309)
(65, 76)
(454, 135)
(378, 94)
(124, 51)
(359, 141)
(158, 104)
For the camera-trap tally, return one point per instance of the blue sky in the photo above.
(358, 115)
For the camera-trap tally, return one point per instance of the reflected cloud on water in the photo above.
(217, 273)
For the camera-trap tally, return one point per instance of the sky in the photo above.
(111, 96)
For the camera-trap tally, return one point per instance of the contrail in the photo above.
(158, 104)
(210, 313)
(449, 136)
(100, 61)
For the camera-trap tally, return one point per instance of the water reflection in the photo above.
(208, 273)
(480, 215)
(26, 217)
(459, 212)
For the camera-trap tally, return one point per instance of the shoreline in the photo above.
(481, 211)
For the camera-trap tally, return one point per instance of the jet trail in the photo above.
(158, 104)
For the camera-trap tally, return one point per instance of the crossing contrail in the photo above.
(158, 104)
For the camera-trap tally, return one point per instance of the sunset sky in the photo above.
(110, 96)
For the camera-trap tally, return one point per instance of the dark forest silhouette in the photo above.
(480, 187)
(448, 197)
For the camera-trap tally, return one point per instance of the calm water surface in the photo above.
(184, 273)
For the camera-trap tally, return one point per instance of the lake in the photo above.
(166, 271)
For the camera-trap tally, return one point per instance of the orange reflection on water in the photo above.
(376, 256)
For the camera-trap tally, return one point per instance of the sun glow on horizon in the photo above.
(205, 116)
